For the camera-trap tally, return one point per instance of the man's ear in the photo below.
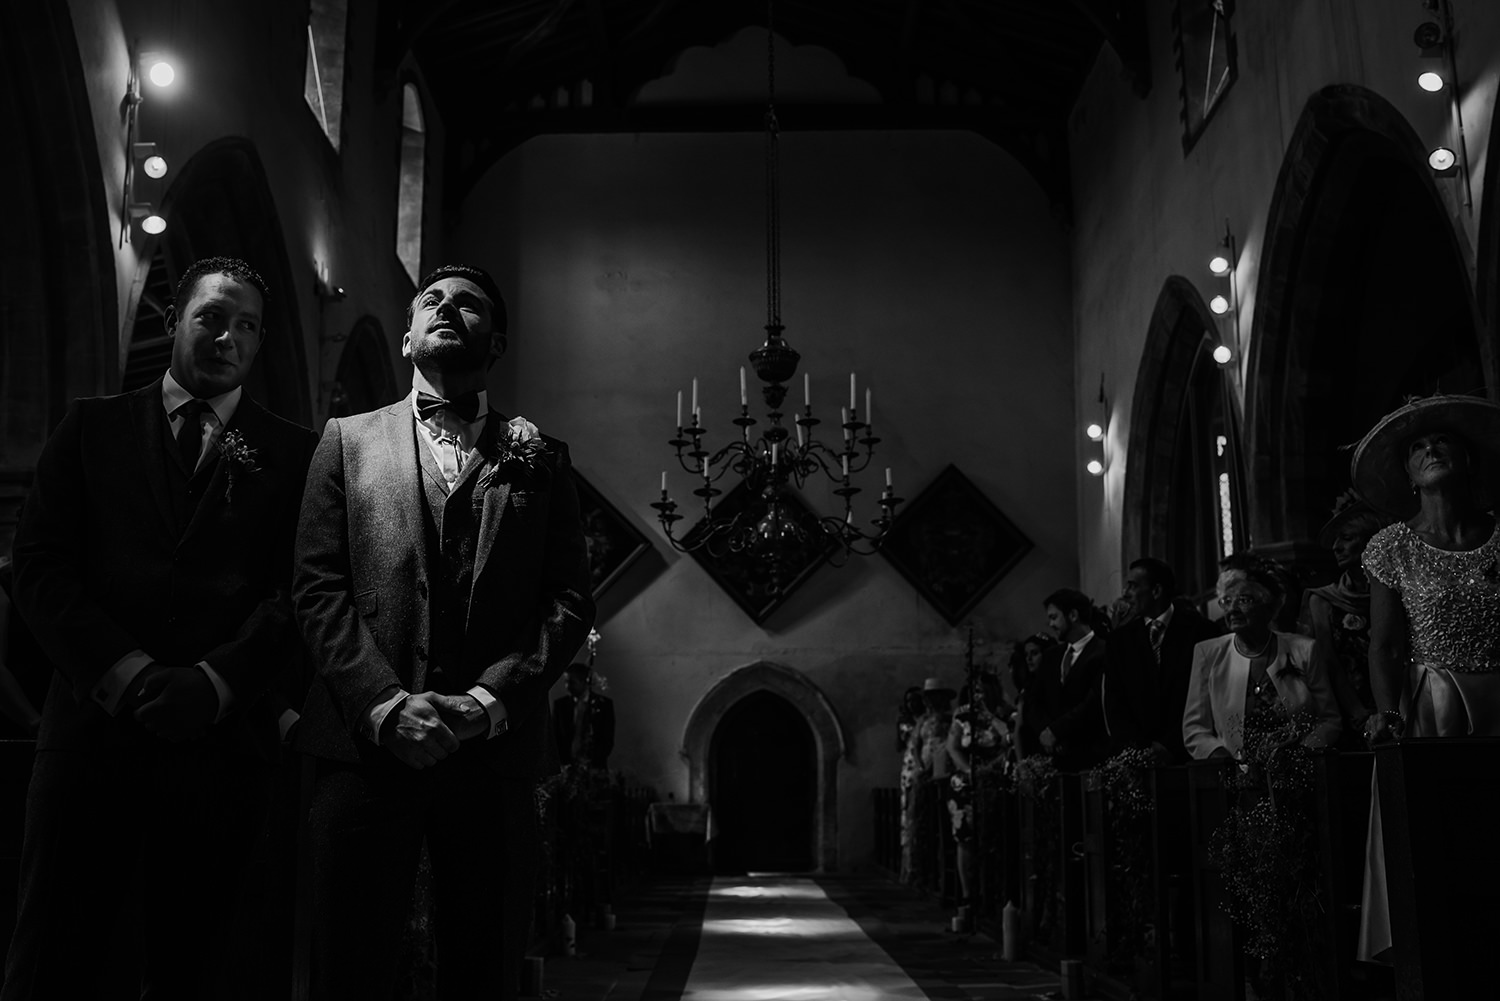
(169, 320)
(406, 345)
(497, 350)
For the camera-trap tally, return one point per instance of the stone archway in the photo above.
(1323, 363)
(828, 736)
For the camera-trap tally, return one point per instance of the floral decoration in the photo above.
(239, 459)
(521, 444)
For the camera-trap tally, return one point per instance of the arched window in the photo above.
(409, 196)
(323, 83)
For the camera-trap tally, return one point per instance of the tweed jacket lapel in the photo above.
(496, 490)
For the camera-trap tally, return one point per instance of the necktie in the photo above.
(464, 405)
(190, 435)
(1067, 662)
(1156, 629)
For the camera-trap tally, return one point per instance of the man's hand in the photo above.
(175, 703)
(415, 732)
(1048, 739)
(463, 714)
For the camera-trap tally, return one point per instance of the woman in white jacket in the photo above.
(1255, 670)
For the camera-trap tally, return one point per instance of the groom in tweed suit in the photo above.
(442, 587)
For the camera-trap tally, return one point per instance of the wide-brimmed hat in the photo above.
(1378, 468)
(933, 686)
(1350, 505)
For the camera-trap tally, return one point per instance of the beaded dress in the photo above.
(1452, 602)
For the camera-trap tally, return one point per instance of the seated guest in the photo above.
(1255, 675)
(1148, 661)
(584, 721)
(1338, 614)
(1063, 701)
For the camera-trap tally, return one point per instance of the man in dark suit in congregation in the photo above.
(153, 563)
(1148, 662)
(442, 585)
(1063, 700)
(584, 721)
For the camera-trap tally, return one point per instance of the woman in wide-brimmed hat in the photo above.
(1434, 591)
(1435, 587)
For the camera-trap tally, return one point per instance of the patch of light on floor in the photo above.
(769, 891)
(791, 992)
(784, 926)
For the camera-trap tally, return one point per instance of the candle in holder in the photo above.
(846, 465)
(663, 482)
(679, 409)
(852, 403)
(744, 400)
(799, 435)
(844, 420)
(695, 397)
(807, 390)
(869, 408)
(773, 453)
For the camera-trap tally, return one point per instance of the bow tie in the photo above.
(464, 405)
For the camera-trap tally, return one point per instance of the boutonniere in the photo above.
(520, 443)
(1354, 623)
(239, 459)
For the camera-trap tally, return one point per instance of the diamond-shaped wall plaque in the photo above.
(954, 544)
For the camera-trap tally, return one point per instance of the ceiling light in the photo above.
(1219, 305)
(1442, 158)
(1430, 82)
(161, 73)
(1094, 431)
(153, 224)
(1222, 354)
(1095, 467)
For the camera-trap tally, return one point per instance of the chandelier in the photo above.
(770, 521)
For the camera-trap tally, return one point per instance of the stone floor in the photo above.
(829, 938)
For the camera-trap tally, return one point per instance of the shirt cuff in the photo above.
(375, 715)
(221, 688)
(111, 688)
(494, 709)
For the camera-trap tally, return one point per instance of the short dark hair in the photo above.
(231, 266)
(1068, 600)
(1158, 573)
(478, 276)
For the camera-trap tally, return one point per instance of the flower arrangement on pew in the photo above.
(1266, 851)
(1125, 781)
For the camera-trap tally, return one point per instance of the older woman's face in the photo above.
(1436, 456)
(1349, 545)
(1248, 606)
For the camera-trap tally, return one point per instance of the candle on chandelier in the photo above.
(695, 397)
(887, 477)
(807, 390)
(852, 403)
(799, 435)
(743, 398)
(846, 465)
(663, 482)
(844, 420)
(773, 453)
(679, 410)
(869, 408)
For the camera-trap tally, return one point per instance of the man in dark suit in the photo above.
(584, 721)
(442, 586)
(153, 563)
(1149, 660)
(1063, 701)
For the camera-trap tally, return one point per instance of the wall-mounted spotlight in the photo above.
(1431, 81)
(1094, 432)
(1219, 304)
(1443, 161)
(151, 221)
(159, 69)
(143, 156)
(1095, 467)
(1436, 41)
(1428, 37)
(1222, 354)
(153, 164)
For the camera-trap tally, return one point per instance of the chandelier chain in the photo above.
(773, 185)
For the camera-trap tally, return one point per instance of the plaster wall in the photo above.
(240, 68)
(1145, 211)
(928, 263)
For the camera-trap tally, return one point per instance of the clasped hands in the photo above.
(427, 727)
(175, 703)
